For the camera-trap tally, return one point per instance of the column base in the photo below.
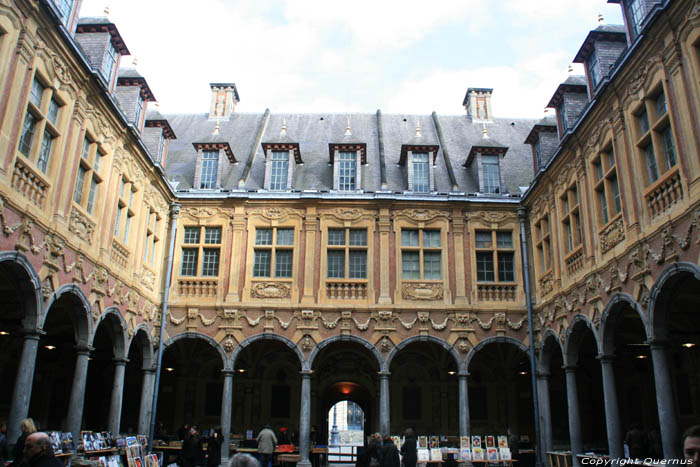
(304, 463)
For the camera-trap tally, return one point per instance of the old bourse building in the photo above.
(305, 259)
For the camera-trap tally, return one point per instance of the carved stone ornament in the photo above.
(229, 344)
(638, 80)
(348, 214)
(149, 279)
(307, 343)
(491, 216)
(421, 215)
(547, 283)
(277, 214)
(695, 12)
(422, 291)
(612, 235)
(205, 213)
(385, 344)
(595, 137)
(270, 290)
(463, 346)
(81, 226)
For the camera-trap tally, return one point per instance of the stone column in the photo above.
(458, 227)
(237, 249)
(305, 419)
(115, 406)
(146, 405)
(612, 412)
(574, 417)
(311, 226)
(384, 403)
(22, 393)
(545, 411)
(226, 401)
(384, 227)
(668, 422)
(463, 405)
(74, 419)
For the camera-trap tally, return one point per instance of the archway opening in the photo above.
(191, 385)
(558, 406)
(500, 392)
(133, 382)
(425, 389)
(346, 419)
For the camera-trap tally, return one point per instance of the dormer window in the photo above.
(347, 171)
(279, 167)
(417, 157)
(347, 158)
(139, 110)
(593, 69)
(109, 61)
(421, 172)
(210, 168)
(156, 133)
(635, 15)
(65, 7)
(492, 174)
(562, 117)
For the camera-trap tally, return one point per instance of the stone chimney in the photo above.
(477, 102)
(224, 97)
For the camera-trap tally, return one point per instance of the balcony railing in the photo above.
(346, 290)
(496, 292)
(197, 287)
(574, 262)
(663, 194)
(29, 183)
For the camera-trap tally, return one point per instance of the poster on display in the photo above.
(504, 453)
(67, 442)
(434, 442)
(477, 454)
(502, 441)
(476, 441)
(423, 455)
(492, 454)
(435, 455)
(56, 444)
(465, 454)
(490, 441)
(464, 442)
(422, 442)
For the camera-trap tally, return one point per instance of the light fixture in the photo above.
(4, 333)
(523, 373)
(641, 356)
(90, 359)
(451, 372)
(49, 347)
(242, 370)
(688, 345)
(168, 369)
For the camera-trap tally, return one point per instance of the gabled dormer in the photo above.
(347, 158)
(418, 155)
(133, 93)
(635, 13)
(544, 141)
(156, 133)
(484, 161)
(212, 153)
(599, 52)
(103, 46)
(282, 154)
(569, 100)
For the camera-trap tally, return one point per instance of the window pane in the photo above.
(650, 158)
(127, 224)
(358, 237)
(409, 238)
(118, 220)
(45, 151)
(598, 169)
(210, 165)
(261, 265)
(91, 195)
(432, 265)
(484, 239)
(189, 262)
(210, 262)
(336, 264)
(191, 235)
(492, 179)
(661, 108)
(86, 149)
(79, 182)
(108, 61)
(484, 266)
(593, 70)
(285, 236)
(36, 93)
(504, 239)
(358, 265)
(421, 173)
(336, 236)
(603, 207)
(283, 263)
(212, 235)
(52, 114)
(617, 203)
(505, 267)
(410, 265)
(644, 122)
(263, 236)
(25, 142)
(347, 171)
(431, 239)
(669, 147)
(279, 170)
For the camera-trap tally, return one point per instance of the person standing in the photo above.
(691, 445)
(38, 451)
(3, 444)
(409, 449)
(28, 427)
(266, 445)
(375, 450)
(191, 453)
(389, 454)
(214, 448)
(636, 441)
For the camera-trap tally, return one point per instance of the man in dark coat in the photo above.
(389, 454)
(409, 449)
(191, 454)
(214, 449)
(38, 451)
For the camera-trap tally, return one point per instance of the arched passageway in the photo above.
(554, 414)
(138, 379)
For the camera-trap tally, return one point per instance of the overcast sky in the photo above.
(400, 56)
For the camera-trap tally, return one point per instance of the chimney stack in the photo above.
(477, 102)
(224, 97)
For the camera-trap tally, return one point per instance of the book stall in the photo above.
(102, 449)
(490, 449)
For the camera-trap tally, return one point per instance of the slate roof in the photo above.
(573, 83)
(314, 133)
(605, 32)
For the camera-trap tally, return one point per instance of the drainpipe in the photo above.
(174, 212)
(522, 215)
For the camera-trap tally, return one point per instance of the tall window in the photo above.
(274, 251)
(210, 168)
(607, 189)
(89, 179)
(421, 172)
(543, 245)
(40, 125)
(201, 242)
(494, 255)
(109, 61)
(152, 237)
(562, 116)
(421, 254)
(492, 174)
(593, 68)
(655, 137)
(571, 218)
(279, 170)
(347, 171)
(125, 211)
(347, 254)
(635, 15)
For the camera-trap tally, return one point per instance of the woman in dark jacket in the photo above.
(374, 450)
(191, 453)
(214, 449)
(409, 450)
(389, 453)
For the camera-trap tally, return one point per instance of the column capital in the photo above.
(384, 374)
(83, 349)
(463, 375)
(32, 334)
(175, 211)
(543, 374)
(120, 361)
(570, 368)
(148, 370)
(306, 373)
(606, 358)
(227, 372)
